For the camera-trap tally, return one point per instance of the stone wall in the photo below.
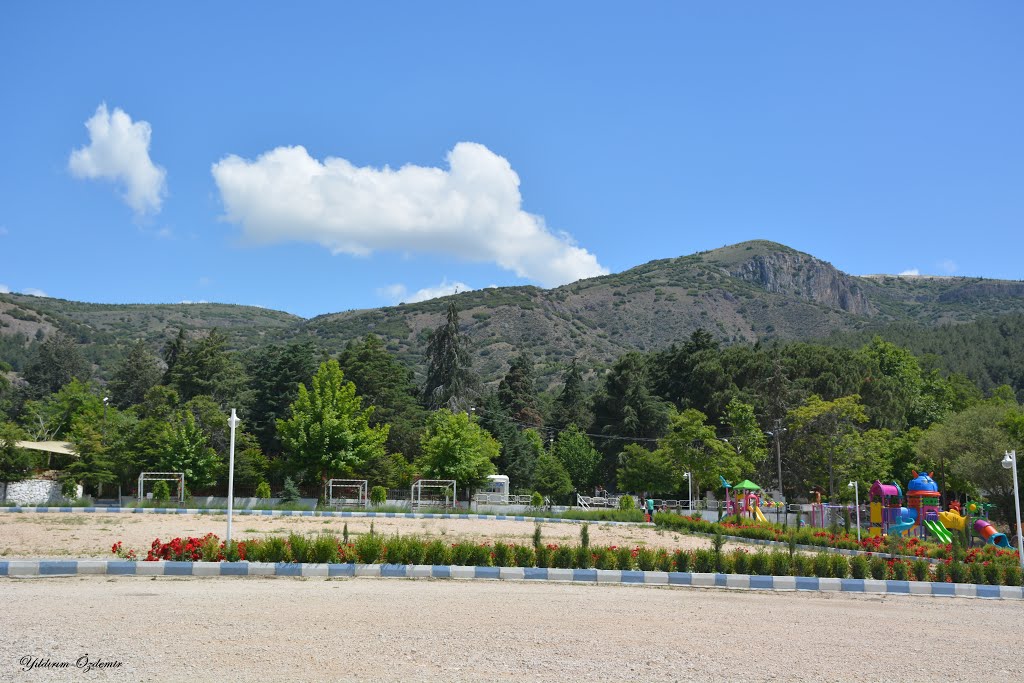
(34, 492)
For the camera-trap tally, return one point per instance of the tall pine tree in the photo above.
(450, 380)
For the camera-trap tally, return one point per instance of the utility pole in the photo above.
(778, 454)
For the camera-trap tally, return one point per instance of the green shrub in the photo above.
(624, 558)
(741, 561)
(437, 553)
(537, 541)
(1012, 575)
(645, 559)
(859, 567)
(584, 558)
(782, 563)
(232, 552)
(840, 565)
(504, 554)
(536, 500)
(563, 557)
(662, 560)
(976, 573)
(957, 572)
(543, 556)
(161, 492)
(323, 549)
(823, 565)
(344, 534)
(462, 553)
(993, 574)
(209, 551)
(941, 572)
(900, 571)
(524, 556)
(803, 565)
(290, 492)
(877, 568)
(298, 544)
(378, 495)
(584, 535)
(368, 548)
(604, 559)
(921, 570)
(627, 503)
(263, 490)
(703, 560)
(274, 549)
(760, 563)
(394, 550)
(415, 549)
(681, 560)
(480, 555)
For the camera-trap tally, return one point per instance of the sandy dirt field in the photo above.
(276, 629)
(91, 535)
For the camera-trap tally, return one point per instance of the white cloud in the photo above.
(4, 289)
(32, 291)
(472, 210)
(118, 150)
(399, 292)
(186, 301)
(912, 272)
(948, 265)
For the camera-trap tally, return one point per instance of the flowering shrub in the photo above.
(118, 550)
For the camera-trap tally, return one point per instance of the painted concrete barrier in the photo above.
(315, 513)
(55, 568)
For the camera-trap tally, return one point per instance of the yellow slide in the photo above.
(758, 515)
(953, 521)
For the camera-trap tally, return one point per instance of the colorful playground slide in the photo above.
(758, 515)
(903, 526)
(940, 532)
(953, 521)
(989, 533)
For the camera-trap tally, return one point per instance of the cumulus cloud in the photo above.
(472, 210)
(912, 272)
(32, 291)
(948, 265)
(118, 150)
(399, 292)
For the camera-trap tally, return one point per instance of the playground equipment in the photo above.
(953, 519)
(886, 511)
(988, 532)
(746, 500)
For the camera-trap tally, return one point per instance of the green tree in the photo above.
(205, 367)
(56, 362)
(275, 373)
(517, 392)
(15, 463)
(694, 447)
(745, 434)
(577, 454)
(450, 380)
(624, 407)
(550, 477)
(52, 417)
(91, 468)
(134, 375)
(455, 447)
(518, 451)
(891, 391)
(328, 433)
(818, 429)
(388, 386)
(186, 450)
(572, 405)
(643, 470)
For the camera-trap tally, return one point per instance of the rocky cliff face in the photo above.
(795, 274)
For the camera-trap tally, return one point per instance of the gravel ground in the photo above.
(271, 629)
(91, 534)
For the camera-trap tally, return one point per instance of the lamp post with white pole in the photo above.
(233, 422)
(1010, 463)
(856, 504)
(689, 491)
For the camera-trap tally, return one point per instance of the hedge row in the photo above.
(373, 548)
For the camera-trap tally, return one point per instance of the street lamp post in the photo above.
(776, 434)
(232, 423)
(689, 491)
(856, 504)
(1010, 463)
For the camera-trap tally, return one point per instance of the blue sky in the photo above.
(882, 137)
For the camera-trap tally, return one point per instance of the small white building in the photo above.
(497, 488)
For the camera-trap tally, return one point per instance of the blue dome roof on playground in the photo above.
(922, 482)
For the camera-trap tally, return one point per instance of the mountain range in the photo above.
(752, 291)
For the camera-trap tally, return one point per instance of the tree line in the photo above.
(658, 422)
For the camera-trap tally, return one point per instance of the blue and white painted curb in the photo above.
(812, 548)
(318, 513)
(42, 568)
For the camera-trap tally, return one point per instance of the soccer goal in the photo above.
(346, 493)
(444, 493)
(177, 477)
